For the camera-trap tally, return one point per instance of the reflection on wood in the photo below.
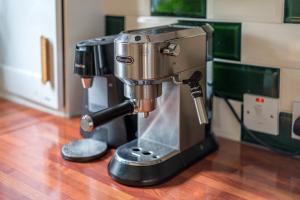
(31, 167)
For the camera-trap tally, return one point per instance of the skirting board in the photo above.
(22, 101)
(26, 84)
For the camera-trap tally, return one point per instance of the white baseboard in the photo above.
(29, 86)
(28, 103)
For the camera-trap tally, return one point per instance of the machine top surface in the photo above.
(158, 34)
(155, 30)
(97, 41)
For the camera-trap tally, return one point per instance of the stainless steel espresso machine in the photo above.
(163, 70)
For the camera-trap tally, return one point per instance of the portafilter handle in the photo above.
(197, 94)
(89, 122)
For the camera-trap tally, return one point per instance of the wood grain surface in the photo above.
(31, 167)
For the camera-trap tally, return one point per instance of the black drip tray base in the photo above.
(149, 175)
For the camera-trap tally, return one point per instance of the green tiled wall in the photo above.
(227, 38)
(292, 11)
(233, 80)
(114, 24)
(282, 141)
(183, 8)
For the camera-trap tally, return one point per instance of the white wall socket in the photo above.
(296, 114)
(261, 114)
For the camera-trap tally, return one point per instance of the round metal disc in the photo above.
(83, 150)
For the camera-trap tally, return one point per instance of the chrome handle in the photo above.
(209, 39)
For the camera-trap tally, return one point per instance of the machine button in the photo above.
(137, 38)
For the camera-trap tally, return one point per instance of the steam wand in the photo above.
(197, 94)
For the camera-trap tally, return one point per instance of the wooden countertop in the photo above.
(31, 167)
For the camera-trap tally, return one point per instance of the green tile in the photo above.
(283, 141)
(233, 80)
(114, 24)
(292, 11)
(183, 8)
(227, 38)
(227, 41)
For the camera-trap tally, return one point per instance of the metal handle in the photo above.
(45, 59)
(209, 40)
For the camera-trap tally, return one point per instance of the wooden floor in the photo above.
(31, 167)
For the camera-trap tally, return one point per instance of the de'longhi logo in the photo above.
(125, 59)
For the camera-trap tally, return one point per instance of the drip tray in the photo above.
(144, 152)
(83, 150)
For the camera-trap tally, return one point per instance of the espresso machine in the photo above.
(94, 63)
(163, 70)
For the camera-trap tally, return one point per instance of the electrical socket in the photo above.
(296, 114)
(261, 114)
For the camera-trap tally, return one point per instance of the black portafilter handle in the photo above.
(89, 122)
